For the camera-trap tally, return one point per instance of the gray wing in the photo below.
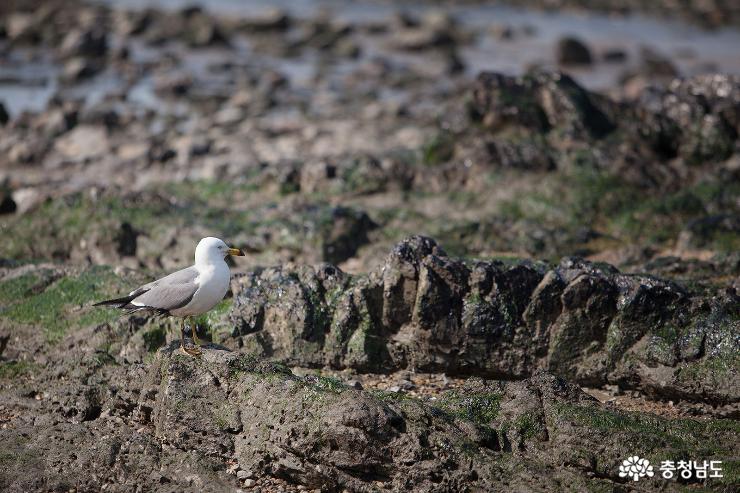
(169, 293)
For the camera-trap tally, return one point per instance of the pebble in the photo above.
(406, 385)
(355, 384)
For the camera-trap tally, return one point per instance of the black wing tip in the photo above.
(122, 302)
(117, 302)
(125, 304)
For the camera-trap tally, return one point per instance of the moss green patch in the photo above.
(365, 348)
(216, 192)
(155, 338)
(12, 290)
(667, 332)
(102, 358)
(62, 304)
(225, 416)
(622, 212)
(479, 407)
(250, 363)
(438, 150)
(65, 220)
(13, 369)
(474, 298)
(215, 319)
(220, 420)
(722, 363)
(330, 384)
(528, 425)
(386, 396)
(360, 177)
(333, 296)
(321, 313)
(730, 472)
(704, 438)
(726, 242)
(711, 368)
(318, 388)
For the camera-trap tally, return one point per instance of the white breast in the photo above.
(213, 283)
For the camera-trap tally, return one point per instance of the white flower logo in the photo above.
(635, 468)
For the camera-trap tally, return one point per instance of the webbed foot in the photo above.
(191, 350)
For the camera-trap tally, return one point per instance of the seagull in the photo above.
(187, 292)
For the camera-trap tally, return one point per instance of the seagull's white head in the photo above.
(211, 250)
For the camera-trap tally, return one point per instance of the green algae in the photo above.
(479, 407)
(215, 320)
(68, 219)
(13, 369)
(12, 290)
(438, 150)
(617, 209)
(387, 396)
(155, 338)
(528, 425)
(683, 434)
(63, 304)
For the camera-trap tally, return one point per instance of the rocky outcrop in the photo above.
(692, 119)
(427, 311)
(205, 424)
(697, 119)
(539, 102)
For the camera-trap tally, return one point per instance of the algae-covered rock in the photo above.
(320, 433)
(427, 311)
(185, 424)
(694, 119)
(540, 102)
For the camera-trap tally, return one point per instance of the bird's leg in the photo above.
(193, 350)
(182, 335)
(194, 328)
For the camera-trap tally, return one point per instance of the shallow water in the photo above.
(28, 85)
(669, 37)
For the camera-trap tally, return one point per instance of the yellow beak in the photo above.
(236, 252)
